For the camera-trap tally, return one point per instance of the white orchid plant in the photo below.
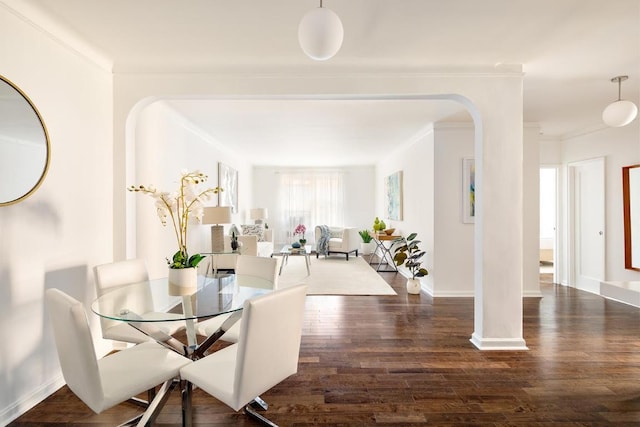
(181, 207)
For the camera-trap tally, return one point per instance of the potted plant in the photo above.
(408, 252)
(366, 246)
(180, 208)
(301, 229)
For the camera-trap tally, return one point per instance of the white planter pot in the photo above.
(183, 281)
(366, 248)
(413, 286)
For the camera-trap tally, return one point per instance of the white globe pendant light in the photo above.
(320, 33)
(619, 113)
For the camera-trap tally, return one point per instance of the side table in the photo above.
(383, 252)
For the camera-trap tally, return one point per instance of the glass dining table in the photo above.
(143, 305)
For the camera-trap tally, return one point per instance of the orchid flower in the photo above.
(179, 207)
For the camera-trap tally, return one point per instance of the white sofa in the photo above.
(343, 240)
(258, 244)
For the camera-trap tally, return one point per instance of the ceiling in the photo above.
(569, 51)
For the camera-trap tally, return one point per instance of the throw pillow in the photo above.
(336, 233)
(253, 230)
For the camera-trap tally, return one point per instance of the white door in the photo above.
(587, 216)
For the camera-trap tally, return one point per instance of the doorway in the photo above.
(549, 221)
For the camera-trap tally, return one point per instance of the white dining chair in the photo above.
(116, 274)
(266, 353)
(247, 266)
(257, 266)
(104, 383)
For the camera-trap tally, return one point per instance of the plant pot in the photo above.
(413, 286)
(366, 248)
(303, 242)
(183, 281)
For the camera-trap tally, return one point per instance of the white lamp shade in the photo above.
(320, 33)
(619, 113)
(217, 215)
(258, 213)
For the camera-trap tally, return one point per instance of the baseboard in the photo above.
(621, 291)
(16, 409)
(510, 344)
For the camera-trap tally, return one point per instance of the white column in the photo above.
(498, 248)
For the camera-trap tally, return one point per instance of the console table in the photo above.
(384, 256)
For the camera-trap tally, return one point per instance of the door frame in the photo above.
(573, 220)
(557, 242)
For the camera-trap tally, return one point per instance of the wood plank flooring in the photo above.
(406, 360)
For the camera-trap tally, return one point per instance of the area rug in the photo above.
(334, 276)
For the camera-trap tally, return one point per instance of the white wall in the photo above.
(453, 266)
(56, 236)
(620, 147)
(454, 239)
(166, 144)
(360, 194)
(416, 161)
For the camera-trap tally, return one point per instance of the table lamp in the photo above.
(217, 215)
(258, 214)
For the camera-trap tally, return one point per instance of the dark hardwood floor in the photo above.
(407, 360)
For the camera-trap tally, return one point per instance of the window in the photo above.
(310, 198)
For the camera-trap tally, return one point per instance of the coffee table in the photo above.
(287, 250)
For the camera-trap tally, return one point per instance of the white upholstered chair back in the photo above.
(116, 274)
(113, 275)
(266, 353)
(76, 351)
(265, 268)
(269, 345)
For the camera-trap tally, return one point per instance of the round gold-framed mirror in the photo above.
(25, 150)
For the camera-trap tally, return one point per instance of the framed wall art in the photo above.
(393, 195)
(228, 180)
(468, 190)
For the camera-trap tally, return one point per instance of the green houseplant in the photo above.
(408, 252)
(366, 246)
(179, 208)
(366, 237)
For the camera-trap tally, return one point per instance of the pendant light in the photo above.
(320, 33)
(619, 113)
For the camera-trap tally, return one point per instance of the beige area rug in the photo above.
(334, 276)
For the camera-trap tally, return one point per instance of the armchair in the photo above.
(342, 240)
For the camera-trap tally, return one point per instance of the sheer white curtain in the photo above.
(310, 198)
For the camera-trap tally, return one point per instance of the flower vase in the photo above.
(183, 281)
(413, 286)
(303, 242)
